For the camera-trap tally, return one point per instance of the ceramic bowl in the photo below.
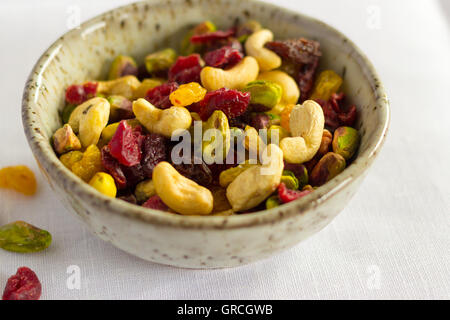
(195, 241)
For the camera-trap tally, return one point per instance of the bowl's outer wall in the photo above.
(141, 28)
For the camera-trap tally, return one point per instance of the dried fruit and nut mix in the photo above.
(233, 122)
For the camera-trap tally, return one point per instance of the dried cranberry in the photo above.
(154, 150)
(335, 114)
(125, 144)
(231, 102)
(303, 56)
(225, 57)
(212, 36)
(75, 94)
(90, 89)
(113, 167)
(155, 202)
(287, 195)
(186, 69)
(134, 175)
(24, 285)
(159, 96)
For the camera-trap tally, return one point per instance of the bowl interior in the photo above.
(141, 28)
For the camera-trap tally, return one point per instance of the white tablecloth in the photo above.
(393, 239)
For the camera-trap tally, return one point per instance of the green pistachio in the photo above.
(120, 108)
(160, 60)
(67, 111)
(22, 237)
(272, 202)
(122, 66)
(227, 176)
(346, 141)
(144, 190)
(328, 167)
(219, 121)
(266, 94)
(290, 180)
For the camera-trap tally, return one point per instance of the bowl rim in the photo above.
(64, 177)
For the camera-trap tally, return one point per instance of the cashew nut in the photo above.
(306, 124)
(163, 122)
(290, 93)
(124, 86)
(89, 119)
(254, 46)
(180, 193)
(235, 78)
(255, 184)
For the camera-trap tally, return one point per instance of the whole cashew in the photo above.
(89, 119)
(254, 46)
(124, 86)
(235, 78)
(290, 93)
(255, 184)
(163, 122)
(180, 193)
(306, 124)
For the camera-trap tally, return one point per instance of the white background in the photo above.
(392, 240)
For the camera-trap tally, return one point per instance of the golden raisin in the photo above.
(187, 94)
(89, 165)
(18, 178)
(285, 116)
(68, 159)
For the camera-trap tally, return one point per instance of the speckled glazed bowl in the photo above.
(194, 241)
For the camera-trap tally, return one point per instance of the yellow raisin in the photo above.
(187, 94)
(285, 116)
(327, 83)
(68, 159)
(89, 165)
(18, 178)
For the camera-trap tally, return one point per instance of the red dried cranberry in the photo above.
(225, 57)
(186, 69)
(154, 150)
(231, 102)
(24, 285)
(134, 175)
(288, 195)
(90, 89)
(113, 167)
(155, 202)
(303, 56)
(75, 94)
(212, 36)
(159, 96)
(125, 145)
(335, 114)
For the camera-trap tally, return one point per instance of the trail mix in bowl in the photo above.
(233, 122)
